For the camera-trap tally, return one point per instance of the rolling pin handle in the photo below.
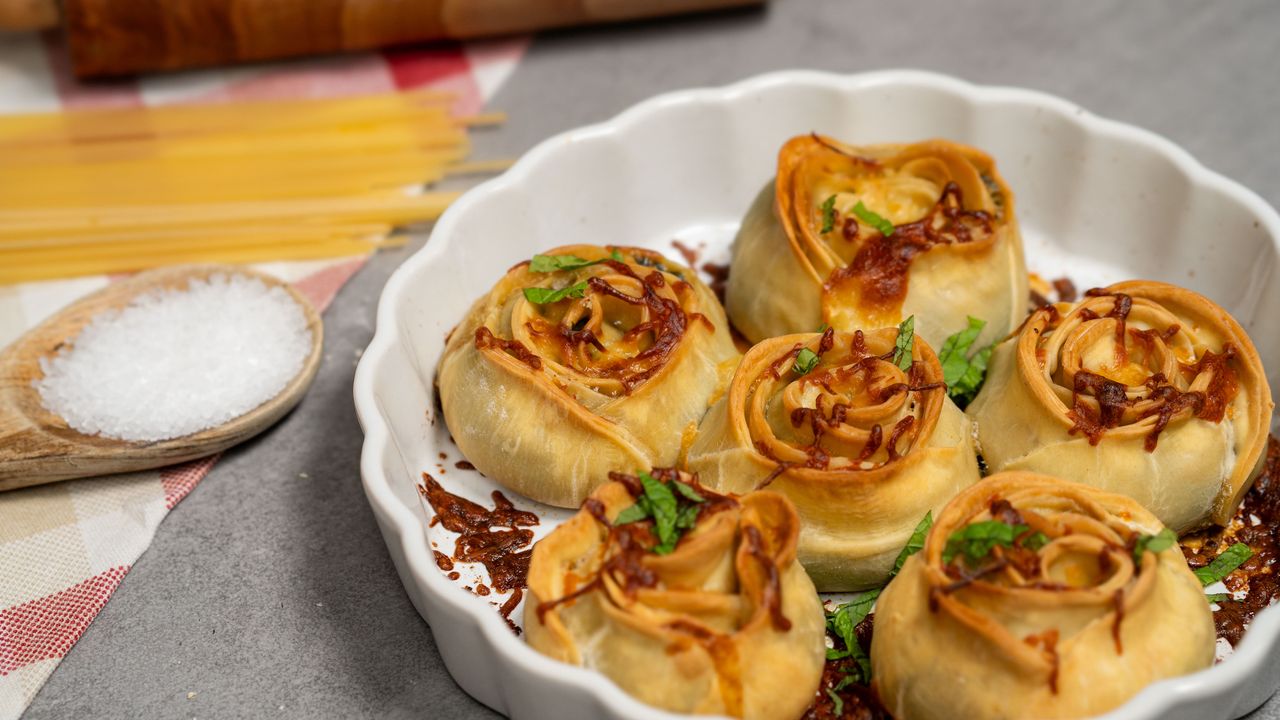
(28, 14)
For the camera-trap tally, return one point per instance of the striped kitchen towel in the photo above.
(64, 548)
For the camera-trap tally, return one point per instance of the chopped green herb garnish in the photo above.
(915, 543)
(902, 346)
(1034, 541)
(687, 490)
(838, 703)
(552, 263)
(843, 623)
(823, 327)
(963, 373)
(976, 541)
(1157, 543)
(670, 516)
(687, 517)
(806, 361)
(543, 296)
(635, 513)
(1219, 597)
(884, 226)
(1230, 559)
(828, 214)
(615, 254)
(665, 508)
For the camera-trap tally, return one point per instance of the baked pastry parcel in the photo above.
(862, 237)
(580, 362)
(1036, 597)
(862, 438)
(688, 600)
(1142, 388)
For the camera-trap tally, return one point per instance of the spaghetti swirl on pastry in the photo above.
(862, 446)
(725, 621)
(861, 237)
(1036, 597)
(579, 362)
(1142, 388)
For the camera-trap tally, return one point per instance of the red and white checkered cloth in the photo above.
(64, 548)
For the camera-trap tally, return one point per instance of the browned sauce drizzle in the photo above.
(820, 421)
(880, 267)
(689, 254)
(495, 538)
(719, 278)
(667, 321)
(1047, 643)
(1065, 289)
(1112, 397)
(772, 598)
(1117, 601)
(486, 339)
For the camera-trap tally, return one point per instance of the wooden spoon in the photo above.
(37, 446)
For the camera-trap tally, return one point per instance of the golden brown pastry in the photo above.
(688, 600)
(1142, 388)
(582, 361)
(862, 447)
(1036, 597)
(860, 237)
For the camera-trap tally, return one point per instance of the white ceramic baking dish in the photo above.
(1097, 200)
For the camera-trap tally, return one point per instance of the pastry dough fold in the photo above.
(547, 395)
(1141, 388)
(1069, 619)
(727, 623)
(862, 447)
(813, 249)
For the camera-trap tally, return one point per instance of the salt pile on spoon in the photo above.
(174, 362)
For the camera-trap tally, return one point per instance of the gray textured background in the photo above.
(266, 593)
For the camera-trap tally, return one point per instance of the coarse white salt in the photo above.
(175, 362)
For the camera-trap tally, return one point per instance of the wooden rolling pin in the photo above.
(122, 37)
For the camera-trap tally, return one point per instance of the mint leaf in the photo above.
(976, 541)
(806, 360)
(964, 374)
(543, 296)
(1159, 542)
(687, 517)
(1219, 597)
(968, 385)
(884, 226)
(1230, 559)
(836, 702)
(843, 623)
(552, 263)
(902, 346)
(687, 490)
(828, 214)
(914, 544)
(632, 514)
(1034, 541)
(663, 504)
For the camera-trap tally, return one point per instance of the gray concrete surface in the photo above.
(270, 594)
